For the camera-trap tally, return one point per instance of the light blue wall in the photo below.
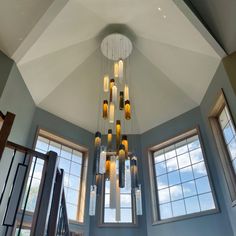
(222, 223)
(5, 67)
(215, 224)
(67, 130)
(219, 81)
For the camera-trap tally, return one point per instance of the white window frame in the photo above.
(229, 172)
(156, 219)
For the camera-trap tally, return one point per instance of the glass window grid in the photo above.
(181, 183)
(230, 125)
(107, 193)
(47, 142)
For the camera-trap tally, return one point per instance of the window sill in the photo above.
(117, 225)
(74, 222)
(186, 217)
(234, 203)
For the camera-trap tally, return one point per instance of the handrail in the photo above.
(24, 150)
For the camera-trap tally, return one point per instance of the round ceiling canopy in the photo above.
(116, 46)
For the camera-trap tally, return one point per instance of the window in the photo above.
(229, 134)
(74, 162)
(225, 135)
(126, 201)
(182, 185)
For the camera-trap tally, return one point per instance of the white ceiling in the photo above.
(173, 61)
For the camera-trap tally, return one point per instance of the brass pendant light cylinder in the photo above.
(118, 133)
(121, 100)
(109, 140)
(125, 142)
(127, 110)
(105, 109)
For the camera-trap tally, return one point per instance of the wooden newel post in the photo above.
(6, 123)
(43, 207)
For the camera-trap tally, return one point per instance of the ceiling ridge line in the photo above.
(42, 100)
(174, 46)
(167, 77)
(56, 51)
(37, 30)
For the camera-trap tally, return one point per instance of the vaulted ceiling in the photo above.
(57, 48)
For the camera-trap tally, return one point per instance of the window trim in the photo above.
(101, 200)
(48, 134)
(228, 170)
(155, 215)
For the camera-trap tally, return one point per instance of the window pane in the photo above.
(184, 160)
(178, 208)
(181, 180)
(65, 165)
(75, 169)
(232, 148)
(71, 211)
(192, 205)
(77, 157)
(174, 178)
(165, 211)
(66, 152)
(72, 196)
(206, 202)
(74, 182)
(56, 147)
(160, 168)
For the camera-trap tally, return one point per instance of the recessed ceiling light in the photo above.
(159, 9)
(164, 16)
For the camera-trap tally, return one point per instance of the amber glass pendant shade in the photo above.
(109, 139)
(124, 141)
(127, 110)
(98, 137)
(118, 133)
(105, 109)
(121, 100)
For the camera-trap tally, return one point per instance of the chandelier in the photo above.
(112, 145)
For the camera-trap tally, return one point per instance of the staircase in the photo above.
(20, 214)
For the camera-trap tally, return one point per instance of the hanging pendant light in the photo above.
(126, 92)
(111, 112)
(127, 177)
(105, 109)
(112, 83)
(113, 182)
(106, 83)
(121, 105)
(138, 200)
(114, 94)
(118, 133)
(98, 137)
(116, 70)
(133, 170)
(107, 174)
(124, 141)
(127, 110)
(117, 199)
(109, 139)
(121, 70)
(102, 161)
(92, 202)
(97, 144)
(122, 166)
